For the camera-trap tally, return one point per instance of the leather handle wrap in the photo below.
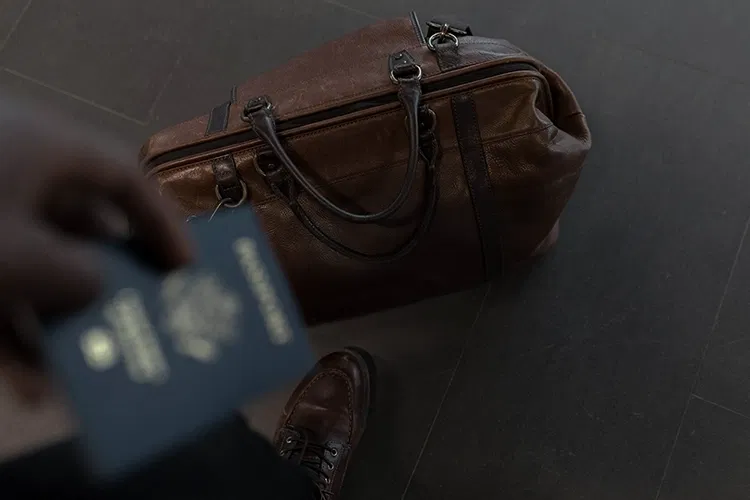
(258, 113)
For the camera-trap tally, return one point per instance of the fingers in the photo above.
(88, 218)
(156, 226)
(158, 230)
(72, 213)
(50, 273)
(59, 160)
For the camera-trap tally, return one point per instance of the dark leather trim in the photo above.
(402, 65)
(258, 113)
(417, 28)
(227, 178)
(447, 52)
(478, 179)
(447, 56)
(218, 119)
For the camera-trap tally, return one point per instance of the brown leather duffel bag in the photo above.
(387, 166)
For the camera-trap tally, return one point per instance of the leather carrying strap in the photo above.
(429, 152)
(228, 184)
(259, 114)
(286, 180)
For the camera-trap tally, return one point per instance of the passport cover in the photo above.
(160, 357)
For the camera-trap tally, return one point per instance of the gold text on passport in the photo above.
(144, 359)
(256, 274)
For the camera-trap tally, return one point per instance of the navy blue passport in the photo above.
(160, 358)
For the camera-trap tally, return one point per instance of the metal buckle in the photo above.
(418, 76)
(440, 37)
(223, 201)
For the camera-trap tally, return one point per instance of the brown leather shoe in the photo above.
(326, 416)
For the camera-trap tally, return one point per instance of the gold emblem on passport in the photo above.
(99, 349)
(200, 314)
(256, 274)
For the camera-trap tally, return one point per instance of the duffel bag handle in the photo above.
(406, 74)
(258, 113)
(429, 152)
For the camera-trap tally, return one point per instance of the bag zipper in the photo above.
(336, 112)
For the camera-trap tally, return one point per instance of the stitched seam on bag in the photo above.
(417, 29)
(270, 199)
(475, 117)
(314, 107)
(457, 125)
(475, 123)
(333, 182)
(504, 82)
(378, 89)
(381, 88)
(490, 41)
(491, 140)
(486, 175)
(323, 130)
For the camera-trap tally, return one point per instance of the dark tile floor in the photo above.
(620, 368)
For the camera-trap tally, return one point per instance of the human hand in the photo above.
(61, 189)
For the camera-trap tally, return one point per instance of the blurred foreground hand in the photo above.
(62, 188)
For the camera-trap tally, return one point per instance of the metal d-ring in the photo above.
(416, 77)
(441, 36)
(223, 201)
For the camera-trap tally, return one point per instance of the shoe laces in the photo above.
(300, 449)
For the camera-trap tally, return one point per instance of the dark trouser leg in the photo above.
(231, 462)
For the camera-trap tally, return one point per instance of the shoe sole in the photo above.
(372, 371)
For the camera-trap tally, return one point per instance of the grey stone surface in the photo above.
(710, 457)
(87, 113)
(241, 39)
(116, 53)
(617, 367)
(576, 380)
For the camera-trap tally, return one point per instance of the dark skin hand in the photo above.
(62, 189)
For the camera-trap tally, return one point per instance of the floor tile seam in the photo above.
(71, 95)
(696, 377)
(456, 366)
